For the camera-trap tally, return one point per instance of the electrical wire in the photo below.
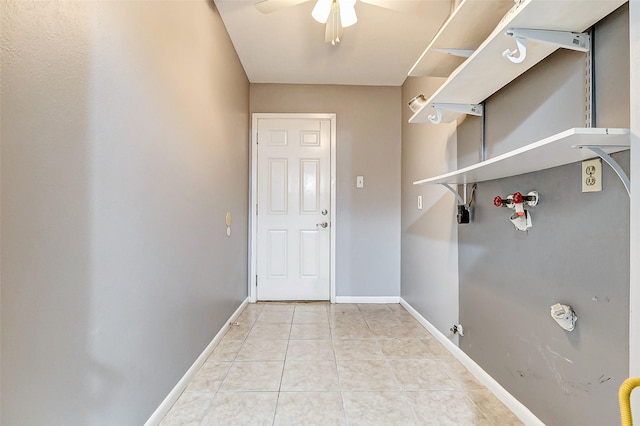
(473, 193)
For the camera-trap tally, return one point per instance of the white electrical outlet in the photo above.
(359, 181)
(592, 175)
(419, 202)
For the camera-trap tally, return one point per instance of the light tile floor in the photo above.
(323, 364)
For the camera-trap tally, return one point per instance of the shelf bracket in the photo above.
(568, 40)
(472, 109)
(597, 150)
(455, 192)
(463, 53)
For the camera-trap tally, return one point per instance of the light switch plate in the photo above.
(419, 202)
(359, 181)
(592, 175)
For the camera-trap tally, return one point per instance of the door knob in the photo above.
(322, 224)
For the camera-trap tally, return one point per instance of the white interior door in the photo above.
(293, 209)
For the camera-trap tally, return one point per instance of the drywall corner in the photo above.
(429, 272)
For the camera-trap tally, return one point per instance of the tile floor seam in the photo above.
(275, 412)
(478, 407)
(344, 409)
(413, 411)
(233, 324)
(284, 363)
(335, 361)
(395, 377)
(206, 412)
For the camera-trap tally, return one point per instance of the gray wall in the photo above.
(124, 142)
(577, 252)
(368, 144)
(430, 235)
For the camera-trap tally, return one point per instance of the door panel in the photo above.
(277, 138)
(277, 254)
(310, 138)
(309, 245)
(294, 175)
(310, 188)
(278, 186)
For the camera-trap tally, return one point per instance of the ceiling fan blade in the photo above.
(322, 10)
(397, 5)
(268, 6)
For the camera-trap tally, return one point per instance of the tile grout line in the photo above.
(335, 358)
(215, 393)
(284, 361)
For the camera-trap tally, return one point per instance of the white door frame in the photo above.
(253, 197)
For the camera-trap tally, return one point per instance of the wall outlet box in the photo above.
(463, 214)
(592, 175)
(359, 181)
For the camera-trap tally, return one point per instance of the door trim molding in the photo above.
(253, 197)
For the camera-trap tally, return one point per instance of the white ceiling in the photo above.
(287, 46)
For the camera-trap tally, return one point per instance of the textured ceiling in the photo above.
(288, 46)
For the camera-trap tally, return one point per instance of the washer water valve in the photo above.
(564, 316)
(521, 218)
(457, 329)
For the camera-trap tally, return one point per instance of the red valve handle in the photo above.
(497, 201)
(517, 197)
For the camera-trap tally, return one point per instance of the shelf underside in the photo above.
(556, 150)
(467, 27)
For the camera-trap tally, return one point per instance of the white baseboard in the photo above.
(367, 299)
(175, 393)
(523, 413)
